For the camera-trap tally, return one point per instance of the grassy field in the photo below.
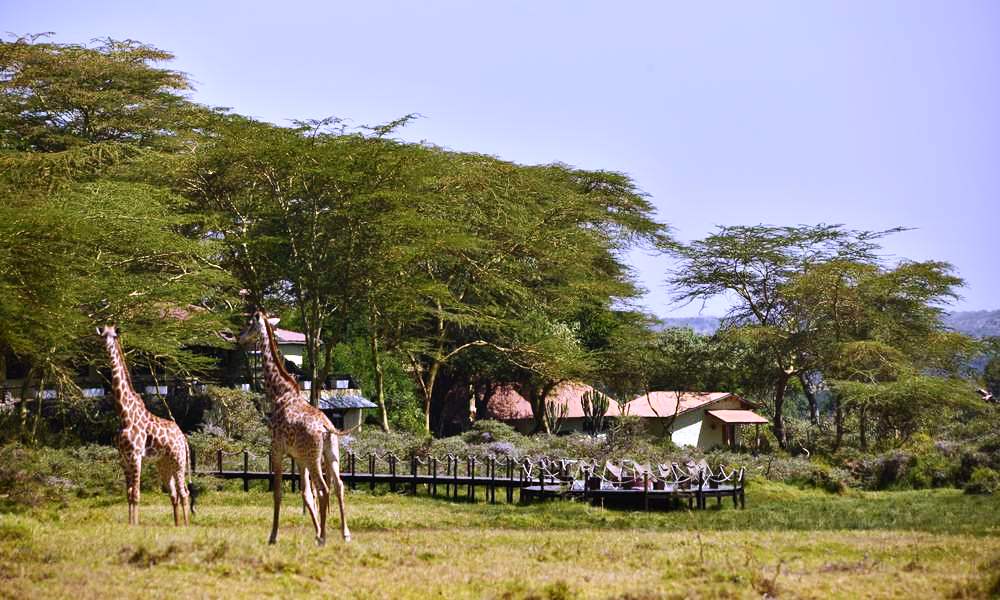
(787, 543)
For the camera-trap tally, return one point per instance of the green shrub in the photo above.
(30, 477)
(984, 480)
(825, 477)
(237, 414)
(488, 431)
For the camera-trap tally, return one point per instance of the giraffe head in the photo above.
(254, 330)
(108, 332)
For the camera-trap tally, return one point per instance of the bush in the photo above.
(488, 430)
(237, 415)
(824, 477)
(31, 477)
(984, 480)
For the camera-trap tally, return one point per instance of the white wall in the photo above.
(292, 352)
(352, 418)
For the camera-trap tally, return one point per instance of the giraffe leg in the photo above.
(174, 500)
(309, 500)
(277, 480)
(322, 489)
(168, 480)
(185, 497)
(185, 494)
(333, 476)
(133, 477)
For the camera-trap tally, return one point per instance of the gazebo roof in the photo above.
(345, 401)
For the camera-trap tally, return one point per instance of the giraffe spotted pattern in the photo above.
(299, 430)
(144, 434)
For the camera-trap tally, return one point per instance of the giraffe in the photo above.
(145, 434)
(300, 430)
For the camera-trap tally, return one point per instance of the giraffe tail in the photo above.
(193, 488)
(333, 429)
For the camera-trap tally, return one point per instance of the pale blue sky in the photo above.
(872, 114)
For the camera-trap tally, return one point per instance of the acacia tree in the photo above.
(884, 350)
(541, 242)
(753, 264)
(86, 235)
(307, 216)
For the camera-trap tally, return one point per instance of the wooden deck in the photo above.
(513, 478)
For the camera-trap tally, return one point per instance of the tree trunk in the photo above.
(811, 397)
(779, 400)
(316, 383)
(540, 410)
(23, 405)
(327, 359)
(38, 413)
(428, 394)
(379, 382)
(314, 329)
(536, 396)
(838, 418)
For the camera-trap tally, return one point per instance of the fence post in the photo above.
(392, 472)
(454, 478)
(293, 475)
(218, 460)
(472, 486)
(246, 469)
(434, 475)
(351, 460)
(493, 479)
(413, 471)
(645, 491)
(520, 479)
(510, 479)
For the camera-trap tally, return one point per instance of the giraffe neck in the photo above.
(127, 401)
(278, 383)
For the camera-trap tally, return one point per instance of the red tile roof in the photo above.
(737, 416)
(284, 336)
(508, 404)
(664, 404)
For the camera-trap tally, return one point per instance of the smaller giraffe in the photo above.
(300, 430)
(145, 434)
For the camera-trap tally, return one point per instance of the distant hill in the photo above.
(977, 323)
(700, 325)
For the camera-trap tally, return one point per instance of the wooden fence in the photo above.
(459, 477)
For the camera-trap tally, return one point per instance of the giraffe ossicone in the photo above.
(144, 434)
(300, 430)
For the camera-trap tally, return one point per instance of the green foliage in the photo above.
(236, 414)
(488, 431)
(87, 234)
(984, 480)
(31, 478)
(991, 372)
(56, 97)
(401, 401)
(826, 478)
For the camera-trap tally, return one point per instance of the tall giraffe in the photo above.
(298, 429)
(145, 434)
